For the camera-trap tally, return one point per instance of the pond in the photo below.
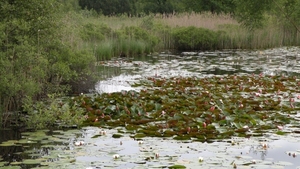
(117, 147)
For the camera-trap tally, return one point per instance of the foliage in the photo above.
(213, 6)
(95, 32)
(35, 60)
(137, 33)
(27, 28)
(251, 12)
(52, 113)
(107, 7)
(158, 6)
(191, 38)
(255, 13)
(168, 7)
(199, 108)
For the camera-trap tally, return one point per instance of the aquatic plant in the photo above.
(52, 114)
(217, 107)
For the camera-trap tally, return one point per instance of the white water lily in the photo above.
(116, 156)
(79, 143)
(102, 132)
(234, 165)
(140, 142)
(200, 159)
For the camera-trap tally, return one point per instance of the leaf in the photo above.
(176, 166)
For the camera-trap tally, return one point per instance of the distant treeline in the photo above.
(139, 7)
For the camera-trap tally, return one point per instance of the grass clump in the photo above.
(191, 38)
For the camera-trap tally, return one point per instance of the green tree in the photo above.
(33, 59)
(254, 14)
(108, 7)
(213, 6)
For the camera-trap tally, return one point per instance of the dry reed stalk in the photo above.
(205, 20)
(117, 22)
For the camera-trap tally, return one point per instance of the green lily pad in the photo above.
(117, 135)
(176, 166)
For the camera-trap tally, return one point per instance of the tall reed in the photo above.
(119, 38)
(234, 35)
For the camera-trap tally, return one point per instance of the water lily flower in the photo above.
(79, 143)
(204, 125)
(140, 142)
(234, 165)
(253, 162)
(102, 132)
(212, 108)
(264, 145)
(200, 159)
(241, 105)
(279, 127)
(116, 156)
(221, 101)
(188, 130)
(257, 94)
(246, 127)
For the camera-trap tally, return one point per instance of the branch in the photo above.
(287, 17)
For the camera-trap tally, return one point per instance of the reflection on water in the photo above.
(281, 61)
(280, 152)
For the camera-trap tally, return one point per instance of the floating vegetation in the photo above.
(180, 119)
(185, 108)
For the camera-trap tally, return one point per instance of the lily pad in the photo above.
(176, 166)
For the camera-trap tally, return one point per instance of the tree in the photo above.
(28, 28)
(213, 6)
(33, 60)
(107, 7)
(254, 13)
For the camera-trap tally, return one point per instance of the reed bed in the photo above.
(231, 35)
(204, 20)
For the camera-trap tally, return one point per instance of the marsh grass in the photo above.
(205, 20)
(231, 35)
(113, 48)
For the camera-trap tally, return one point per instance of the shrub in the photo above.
(52, 113)
(94, 32)
(192, 38)
(137, 33)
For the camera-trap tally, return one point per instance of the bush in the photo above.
(192, 38)
(137, 33)
(52, 113)
(93, 32)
